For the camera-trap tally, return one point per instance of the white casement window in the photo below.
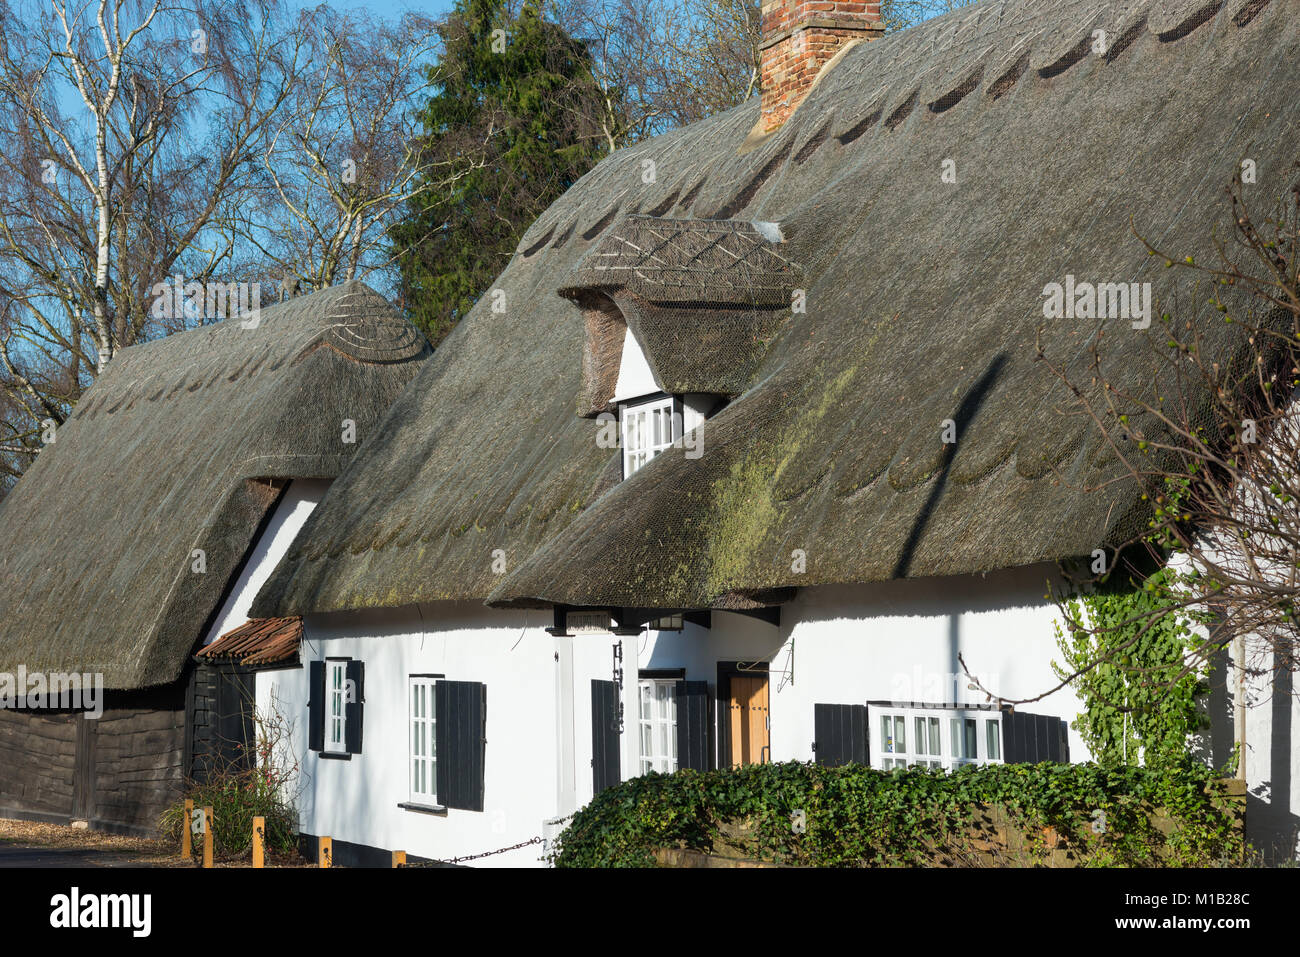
(893, 741)
(926, 746)
(647, 428)
(935, 737)
(423, 729)
(658, 725)
(965, 740)
(336, 704)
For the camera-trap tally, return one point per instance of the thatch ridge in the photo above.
(184, 444)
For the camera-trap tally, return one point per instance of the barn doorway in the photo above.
(222, 707)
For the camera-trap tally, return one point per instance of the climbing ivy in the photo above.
(808, 814)
(1133, 647)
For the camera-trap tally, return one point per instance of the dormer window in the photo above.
(678, 316)
(679, 307)
(648, 427)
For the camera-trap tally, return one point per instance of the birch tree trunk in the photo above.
(127, 137)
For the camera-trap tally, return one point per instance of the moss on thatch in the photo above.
(924, 297)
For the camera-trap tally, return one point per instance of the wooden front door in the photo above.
(748, 714)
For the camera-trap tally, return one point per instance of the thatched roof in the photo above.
(692, 262)
(184, 443)
(924, 302)
(704, 298)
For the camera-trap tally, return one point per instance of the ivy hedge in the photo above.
(855, 816)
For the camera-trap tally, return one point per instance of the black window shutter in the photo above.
(442, 741)
(840, 734)
(461, 739)
(316, 706)
(356, 682)
(693, 749)
(1017, 746)
(1029, 738)
(1012, 742)
(604, 735)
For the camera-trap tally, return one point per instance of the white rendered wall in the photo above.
(893, 641)
(1272, 716)
(1272, 754)
(901, 641)
(357, 800)
(634, 376)
(835, 645)
(287, 520)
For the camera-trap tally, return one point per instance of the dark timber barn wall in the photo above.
(38, 752)
(220, 733)
(118, 772)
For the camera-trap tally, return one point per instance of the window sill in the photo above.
(437, 809)
(336, 755)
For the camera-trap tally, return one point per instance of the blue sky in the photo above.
(392, 9)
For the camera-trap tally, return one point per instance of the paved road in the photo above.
(18, 855)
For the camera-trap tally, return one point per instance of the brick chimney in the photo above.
(799, 38)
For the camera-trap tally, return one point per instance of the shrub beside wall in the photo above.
(235, 798)
(856, 816)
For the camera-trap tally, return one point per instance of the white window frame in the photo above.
(891, 750)
(958, 740)
(656, 726)
(336, 706)
(641, 430)
(422, 739)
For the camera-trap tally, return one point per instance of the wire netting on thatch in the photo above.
(704, 298)
(928, 189)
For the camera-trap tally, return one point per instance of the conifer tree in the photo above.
(514, 103)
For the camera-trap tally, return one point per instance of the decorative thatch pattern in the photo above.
(924, 303)
(704, 299)
(694, 262)
(180, 448)
(261, 641)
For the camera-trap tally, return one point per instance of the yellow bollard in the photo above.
(207, 837)
(399, 858)
(325, 853)
(187, 843)
(259, 841)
